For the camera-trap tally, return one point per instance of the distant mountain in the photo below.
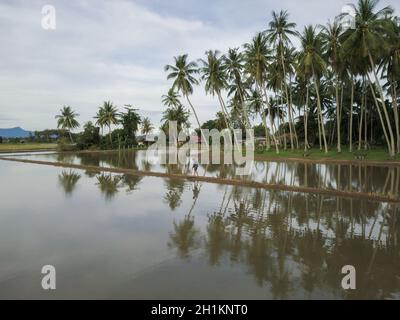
(14, 133)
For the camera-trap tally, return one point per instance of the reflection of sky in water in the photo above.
(364, 178)
(121, 236)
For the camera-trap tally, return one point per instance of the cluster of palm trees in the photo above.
(107, 116)
(339, 83)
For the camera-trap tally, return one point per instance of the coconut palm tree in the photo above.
(257, 54)
(67, 120)
(178, 114)
(330, 38)
(130, 121)
(390, 67)
(312, 66)
(278, 34)
(100, 118)
(183, 73)
(147, 126)
(369, 41)
(171, 99)
(109, 116)
(213, 72)
(234, 65)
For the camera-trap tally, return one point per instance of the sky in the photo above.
(116, 50)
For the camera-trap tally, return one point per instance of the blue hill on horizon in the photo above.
(16, 132)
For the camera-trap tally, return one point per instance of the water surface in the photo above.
(123, 236)
(362, 177)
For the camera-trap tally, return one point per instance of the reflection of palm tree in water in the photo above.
(131, 181)
(108, 184)
(175, 188)
(68, 180)
(260, 235)
(184, 237)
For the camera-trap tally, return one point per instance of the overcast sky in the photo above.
(116, 50)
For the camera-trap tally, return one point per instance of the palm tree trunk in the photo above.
(306, 121)
(226, 116)
(339, 148)
(197, 119)
(320, 110)
(270, 119)
(291, 110)
(288, 99)
(227, 122)
(380, 114)
(264, 120)
(319, 131)
(396, 114)
(351, 117)
(283, 126)
(70, 136)
(244, 107)
(366, 124)
(389, 126)
(109, 133)
(360, 124)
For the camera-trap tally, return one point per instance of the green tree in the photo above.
(312, 66)
(183, 74)
(257, 55)
(330, 38)
(67, 120)
(107, 116)
(213, 72)
(130, 121)
(369, 41)
(147, 126)
(279, 32)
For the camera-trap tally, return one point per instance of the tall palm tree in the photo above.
(312, 66)
(390, 67)
(278, 34)
(183, 73)
(330, 37)
(67, 120)
(234, 64)
(130, 121)
(147, 126)
(100, 118)
(109, 116)
(214, 75)
(369, 41)
(257, 53)
(171, 99)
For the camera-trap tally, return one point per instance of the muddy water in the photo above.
(122, 236)
(378, 180)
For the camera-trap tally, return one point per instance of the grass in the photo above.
(12, 147)
(316, 154)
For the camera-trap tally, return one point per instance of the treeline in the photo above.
(339, 87)
(92, 137)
